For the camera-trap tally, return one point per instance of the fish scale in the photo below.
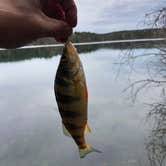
(72, 97)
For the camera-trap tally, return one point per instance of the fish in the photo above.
(72, 98)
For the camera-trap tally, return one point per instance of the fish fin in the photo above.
(87, 129)
(86, 92)
(89, 149)
(65, 131)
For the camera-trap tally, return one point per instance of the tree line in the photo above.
(78, 37)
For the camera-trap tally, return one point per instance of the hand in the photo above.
(61, 9)
(26, 20)
(64, 10)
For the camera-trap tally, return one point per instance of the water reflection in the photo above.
(24, 54)
(155, 81)
(156, 146)
(30, 127)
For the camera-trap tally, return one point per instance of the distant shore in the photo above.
(93, 43)
(82, 37)
(51, 50)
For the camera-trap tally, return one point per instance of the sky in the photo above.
(104, 16)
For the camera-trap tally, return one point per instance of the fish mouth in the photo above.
(69, 44)
(69, 49)
(66, 48)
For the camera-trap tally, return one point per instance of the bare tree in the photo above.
(156, 18)
(156, 146)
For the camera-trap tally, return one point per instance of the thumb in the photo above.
(58, 29)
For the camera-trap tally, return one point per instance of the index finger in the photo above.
(70, 12)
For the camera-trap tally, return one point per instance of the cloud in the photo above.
(112, 15)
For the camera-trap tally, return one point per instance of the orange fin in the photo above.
(87, 129)
(86, 92)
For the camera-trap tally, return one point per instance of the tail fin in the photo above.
(89, 149)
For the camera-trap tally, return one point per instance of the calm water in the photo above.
(30, 125)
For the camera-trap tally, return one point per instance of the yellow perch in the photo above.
(72, 98)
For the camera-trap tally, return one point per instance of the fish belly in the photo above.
(72, 106)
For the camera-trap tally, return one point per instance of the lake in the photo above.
(30, 124)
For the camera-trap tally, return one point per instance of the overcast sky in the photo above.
(113, 15)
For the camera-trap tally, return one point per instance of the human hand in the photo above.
(64, 10)
(26, 20)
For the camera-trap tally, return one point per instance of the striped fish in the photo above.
(72, 98)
